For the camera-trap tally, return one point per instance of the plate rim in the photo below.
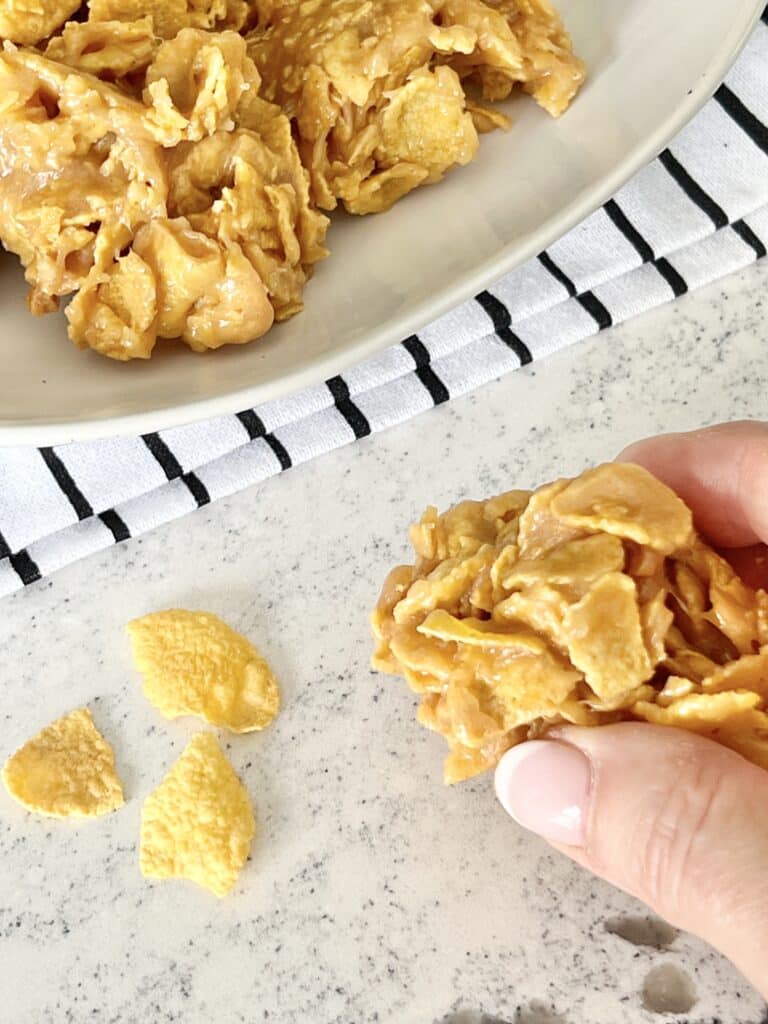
(323, 367)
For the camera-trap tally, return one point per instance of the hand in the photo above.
(668, 816)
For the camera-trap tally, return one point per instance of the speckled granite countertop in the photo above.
(373, 893)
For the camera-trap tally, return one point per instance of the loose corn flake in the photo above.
(195, 664)
(198, 824)
(66, 771)
(588, 601)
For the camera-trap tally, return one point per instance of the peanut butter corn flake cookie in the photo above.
(587, 601)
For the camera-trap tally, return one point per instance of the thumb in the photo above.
(670, 817)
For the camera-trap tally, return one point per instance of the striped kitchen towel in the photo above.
(696, 213)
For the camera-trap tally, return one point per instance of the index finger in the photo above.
(720, 472)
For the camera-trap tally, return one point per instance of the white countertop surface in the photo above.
(373, 893)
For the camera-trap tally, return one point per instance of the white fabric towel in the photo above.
(698, 212)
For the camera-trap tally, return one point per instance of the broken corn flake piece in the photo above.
(195, 664)
(699, 712)
(464, 763)
(198, 824)
(530, 687)
(478, 633)
(747, 734)
(627, 501)
(445, 585)
(731, 717)
(656, 620)
(750, 672)
(576, 562)
(540, 529)
(674, 689)
(66, 771)
(604, 637)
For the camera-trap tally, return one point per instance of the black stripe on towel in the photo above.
(115, 525)
(673, 277)
(693, 189)
(587, 300)
(502, 325)
(347, 408)
(743, 117)
(66, 484)
(747, 235)
(196, 488)
(630, 232)
(595, 308)
(22, 564)
(644, 250)
(172, 468)
(77, 499)
(559, 275)
(418, 352)
(255, 428)
(25, 567)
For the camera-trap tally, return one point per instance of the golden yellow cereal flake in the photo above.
(699, 712)
(625, 500)
(747, 734)
(198, 824)
(577, 561)
(31, 21)
(748, 673)
(195, 664)
(66, 771)
(478, 633)
(604, 637)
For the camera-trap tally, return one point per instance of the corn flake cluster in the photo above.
(378, 89)
(163, 161)
(148, 179)
(587, 601)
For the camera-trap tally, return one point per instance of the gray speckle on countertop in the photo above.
(373, 893)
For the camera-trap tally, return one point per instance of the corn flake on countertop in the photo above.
(373, 892)
(165, 164)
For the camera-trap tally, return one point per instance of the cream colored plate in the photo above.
(652, 64)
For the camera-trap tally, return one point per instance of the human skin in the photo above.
(671, 817)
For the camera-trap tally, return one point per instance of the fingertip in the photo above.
(506, 769)
(721, 473)
(544, 785)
